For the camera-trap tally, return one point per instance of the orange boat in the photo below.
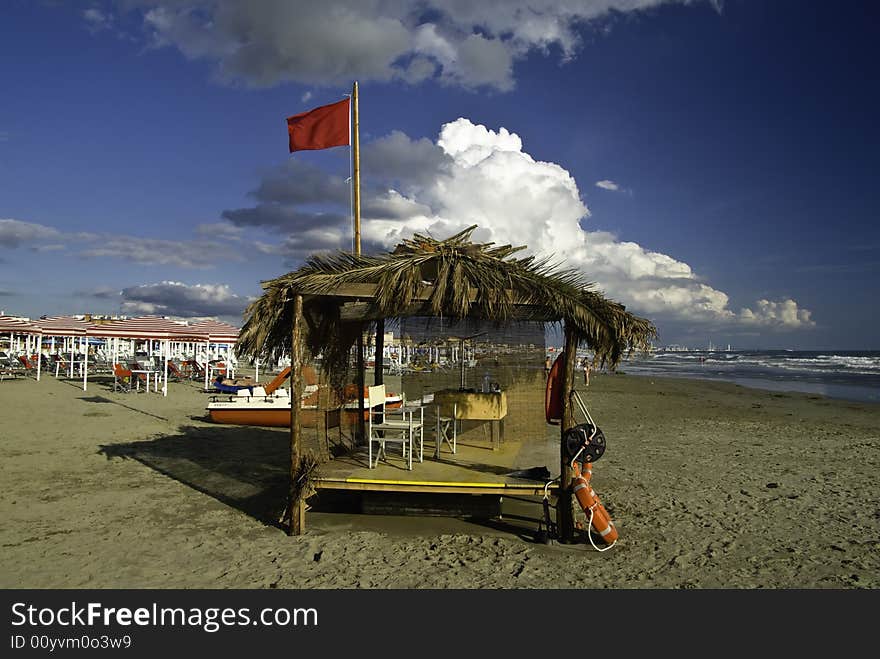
(270, 405)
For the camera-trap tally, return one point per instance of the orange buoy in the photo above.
(553, 392)
(589, 501)
(587, 471)
(584, 470)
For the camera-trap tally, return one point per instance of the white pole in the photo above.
(207, 362)
(165, 385)
(86, 364)
(39, 354)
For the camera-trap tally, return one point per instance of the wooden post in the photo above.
(296, 506)
(379, 376)
(564, 517)
(323, 412)
(359, 365)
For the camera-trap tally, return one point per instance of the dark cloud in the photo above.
(185, 301)
(296, 182)
(397, 159)
(282, 218)
(102, 293)
(471, 44)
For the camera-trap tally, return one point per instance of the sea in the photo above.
(846, 374)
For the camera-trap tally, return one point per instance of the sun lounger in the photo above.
(121, 378)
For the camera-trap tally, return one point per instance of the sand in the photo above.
(711, 486)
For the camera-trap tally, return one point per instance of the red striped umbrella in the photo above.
(145, 327)
(216, 331)
(67, 326)
(62, 326)
(14, 325)
(153, 328)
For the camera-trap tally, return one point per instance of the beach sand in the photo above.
(711, 485)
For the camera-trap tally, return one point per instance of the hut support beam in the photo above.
(359, 365)
(378, 377)
(296, 505)
(564, 516)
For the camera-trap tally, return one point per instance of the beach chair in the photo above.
(445, 427)
(30, 367)
(100, 365)
(198, 371)
(384, 426)
(174, 372)
(9, 367)
(121, 378)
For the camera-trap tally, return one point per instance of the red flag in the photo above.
(320, 128)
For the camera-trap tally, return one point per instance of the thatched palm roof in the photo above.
(453, 278)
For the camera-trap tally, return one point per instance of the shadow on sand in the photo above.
(240, 466)
(246, 467)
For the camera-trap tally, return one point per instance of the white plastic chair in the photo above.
(404, 430)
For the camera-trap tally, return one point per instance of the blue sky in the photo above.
(711, 165)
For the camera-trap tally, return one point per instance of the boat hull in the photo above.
(279, 418)
(274, 413)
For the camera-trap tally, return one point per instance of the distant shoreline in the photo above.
(840, 392)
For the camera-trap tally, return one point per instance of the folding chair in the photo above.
(174, 373)
(30, 367)
(121, 378)
(446, 428)
(382, 430)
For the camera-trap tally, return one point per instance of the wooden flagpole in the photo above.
(356, 196)
(356, 177)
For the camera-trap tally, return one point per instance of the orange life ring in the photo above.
(553, 392)
(592, 506)
(585, 471)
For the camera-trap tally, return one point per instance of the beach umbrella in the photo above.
(147, 328)
(216, 331)
(13, 325)
(69, 327)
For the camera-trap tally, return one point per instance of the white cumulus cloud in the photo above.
(488, 179)
(785, 314)
(477, 175)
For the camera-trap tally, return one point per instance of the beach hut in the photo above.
(325, 306)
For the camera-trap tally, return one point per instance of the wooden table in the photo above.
(474, 406)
